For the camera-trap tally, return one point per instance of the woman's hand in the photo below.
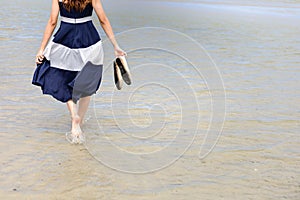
(39, 57)
(119, 52)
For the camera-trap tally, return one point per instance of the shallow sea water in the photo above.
(256, 48)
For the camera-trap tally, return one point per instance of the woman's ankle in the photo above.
(76, 119)
(76, 123)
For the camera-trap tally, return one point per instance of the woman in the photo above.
(70, 66)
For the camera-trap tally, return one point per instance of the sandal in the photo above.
(117, 76)
(122, 64)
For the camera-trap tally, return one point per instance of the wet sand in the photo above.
(256, 157)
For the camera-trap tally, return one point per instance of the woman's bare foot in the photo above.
(76, 136)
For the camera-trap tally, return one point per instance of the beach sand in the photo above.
(256, 50)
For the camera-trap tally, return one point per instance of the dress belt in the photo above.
(76, 20)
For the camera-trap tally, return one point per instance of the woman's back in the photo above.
(76, 31)
(88, 10)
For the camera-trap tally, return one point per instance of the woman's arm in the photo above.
(106, 26)
(49, 30)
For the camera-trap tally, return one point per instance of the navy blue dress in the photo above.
(73, 62)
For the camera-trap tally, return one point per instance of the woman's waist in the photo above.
(76, 20)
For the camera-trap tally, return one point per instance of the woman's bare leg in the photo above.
(77, 113)
(76, 130)
(83, 106)
(74, 114)
(72, 108)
